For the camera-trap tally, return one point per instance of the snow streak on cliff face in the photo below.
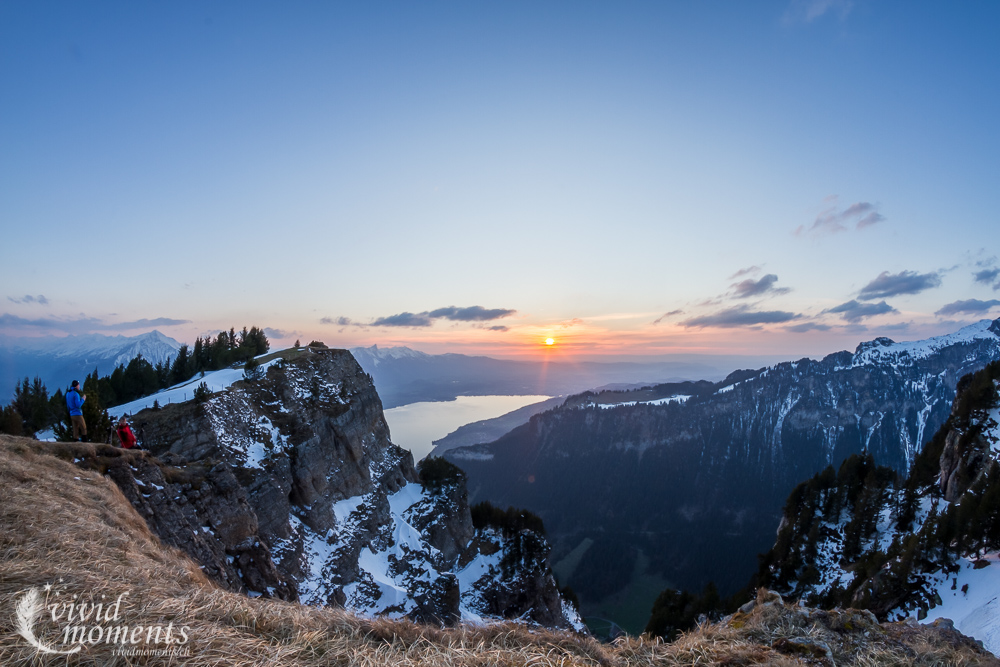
(344, 515)
(682, 483)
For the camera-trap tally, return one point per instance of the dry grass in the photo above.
(62, 525)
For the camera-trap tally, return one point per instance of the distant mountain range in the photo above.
(60, 360)
(684, 484)
(402, 375)
(405, 376)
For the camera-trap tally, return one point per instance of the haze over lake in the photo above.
(417, 425)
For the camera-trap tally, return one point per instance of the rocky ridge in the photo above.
(289, 486)
(724, 458)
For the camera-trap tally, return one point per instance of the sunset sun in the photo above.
(550, 341)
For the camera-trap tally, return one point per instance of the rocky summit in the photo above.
(289, 486)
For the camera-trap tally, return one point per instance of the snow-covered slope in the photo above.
(371, 357)
(215, 381)
(970, 598)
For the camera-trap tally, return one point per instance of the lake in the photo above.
(417, 425)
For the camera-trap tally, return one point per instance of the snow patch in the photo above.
(971, 599)
(678, 398)
(461, 454)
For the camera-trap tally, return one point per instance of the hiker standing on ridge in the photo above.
(74, 401)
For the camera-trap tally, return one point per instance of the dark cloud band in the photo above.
(427, 318)
(83, 324)
(970, 306)
(896, 284)
(855, 311)
(740, 316)
(27, 298)
(750, 287)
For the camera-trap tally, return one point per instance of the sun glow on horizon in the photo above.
(550, 341)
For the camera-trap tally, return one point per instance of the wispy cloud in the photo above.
(27, 298)
(672, 313)
(739, 316)
(896, 284)
(280, 333)
(142, 324)
(81, 324)
(971, 306)
(855, 311)
(750, 270)
(808, 326)
(750, 287)
(987, 276)
(832, 220)
(339, 321)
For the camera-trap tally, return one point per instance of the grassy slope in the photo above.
(66, 526)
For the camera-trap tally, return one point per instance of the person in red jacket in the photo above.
(125, 434)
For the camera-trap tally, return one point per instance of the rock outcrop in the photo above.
(289, 486)
(971, 437)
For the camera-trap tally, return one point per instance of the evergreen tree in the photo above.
(221, 356)
(178, 372)
(162, 375)
(252, 371)
(31, 401)
(198, 356)
(10, 421)
(202, 393)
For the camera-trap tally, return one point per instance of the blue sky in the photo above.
(627, 178)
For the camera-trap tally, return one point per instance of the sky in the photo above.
(629, 179)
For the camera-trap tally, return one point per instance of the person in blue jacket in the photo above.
(74, 401)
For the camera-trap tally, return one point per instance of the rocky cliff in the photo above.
(289, 486)
(924, 545)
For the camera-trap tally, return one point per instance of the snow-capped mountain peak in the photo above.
(58, 360)
(374, 355)
(885, 350)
